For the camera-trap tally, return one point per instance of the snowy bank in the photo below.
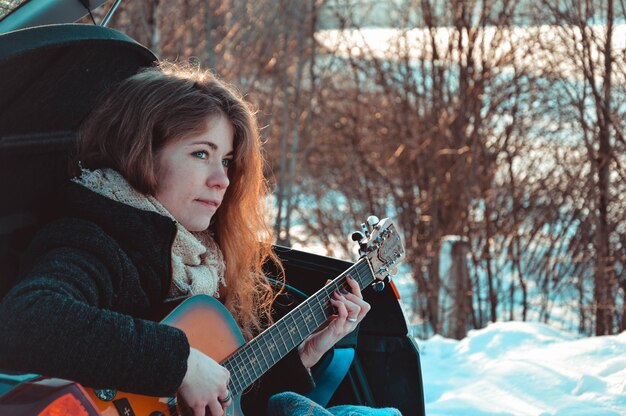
(521, 368)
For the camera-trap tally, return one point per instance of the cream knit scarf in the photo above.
(197, 261)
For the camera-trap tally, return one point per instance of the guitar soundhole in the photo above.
(157, 414)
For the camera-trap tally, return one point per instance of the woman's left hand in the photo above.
(351, 309)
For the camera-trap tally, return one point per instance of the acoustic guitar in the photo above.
(211, 329)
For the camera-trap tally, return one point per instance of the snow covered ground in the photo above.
(522, 368)
(519, 369)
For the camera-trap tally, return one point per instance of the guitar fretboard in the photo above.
(252, 360)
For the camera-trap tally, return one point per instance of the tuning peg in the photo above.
(378, 286)
(393, 271)
(357, 236)
(372, 221)
(365, 229)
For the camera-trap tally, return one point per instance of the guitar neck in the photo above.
(252, 360)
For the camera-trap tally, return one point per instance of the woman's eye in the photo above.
(201, 154)
(226, 162)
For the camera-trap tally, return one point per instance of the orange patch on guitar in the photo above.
(207, 328)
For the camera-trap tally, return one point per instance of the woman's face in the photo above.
(192, 174)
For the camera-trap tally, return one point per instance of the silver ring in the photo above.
(225, 399)
(351, 319)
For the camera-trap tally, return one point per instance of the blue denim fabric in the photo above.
(293, 404)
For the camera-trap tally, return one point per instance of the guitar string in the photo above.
(254, 345)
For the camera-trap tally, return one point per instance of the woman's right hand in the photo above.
(204, 382)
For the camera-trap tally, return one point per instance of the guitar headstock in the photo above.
(382, 246)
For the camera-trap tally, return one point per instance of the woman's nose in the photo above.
(218, 177)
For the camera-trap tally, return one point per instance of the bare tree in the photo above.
(590, 51)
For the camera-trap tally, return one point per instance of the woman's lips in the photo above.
(212, 203)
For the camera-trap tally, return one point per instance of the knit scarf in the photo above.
(197, 261)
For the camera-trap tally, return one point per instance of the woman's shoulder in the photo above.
(72, 235)
(87, 215)
(75, 222)
(85, 223)
(75, 231)
(76, 217)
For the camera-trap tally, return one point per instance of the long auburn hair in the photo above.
(171, 101)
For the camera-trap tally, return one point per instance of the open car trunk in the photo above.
(50, 78)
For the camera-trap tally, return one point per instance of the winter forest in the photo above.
(491, 132)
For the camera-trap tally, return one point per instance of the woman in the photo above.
(168, 203)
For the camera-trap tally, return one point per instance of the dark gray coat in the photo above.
(91, 282)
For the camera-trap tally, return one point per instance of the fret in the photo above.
(329, 293)
(239, 370)
(237, 365)
(270, 346)
(267, 363)
(358, 277)
(273, 348)
(291, 329)
(321, 308)
(299, 309)
(234, 375)
(253, 361)
(282, 339)
(308, 317)
(240, 362)
(234, 383)
(235, 380)
(329, 307)
(229, 364)
(323, 299)
(367, 270)
(300, 320)
(244, 368)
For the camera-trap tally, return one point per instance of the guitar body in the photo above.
(209, 328)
